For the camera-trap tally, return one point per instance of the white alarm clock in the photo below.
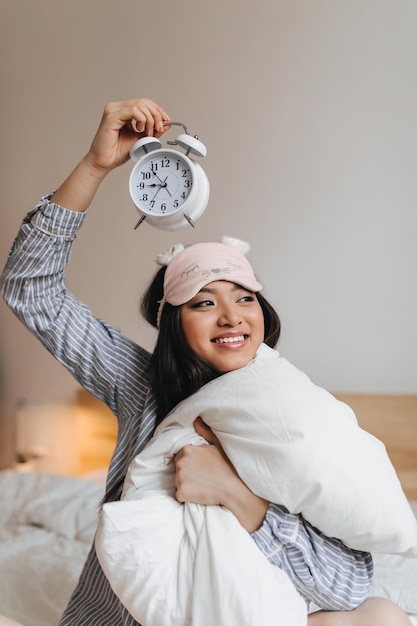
(169, 188)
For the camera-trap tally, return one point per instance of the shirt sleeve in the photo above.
(33, 285)
(324, 571)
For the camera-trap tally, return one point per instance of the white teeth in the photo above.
(230, 339)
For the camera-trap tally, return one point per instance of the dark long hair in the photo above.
(176, 371)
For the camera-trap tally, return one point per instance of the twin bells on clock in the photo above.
(169, 188)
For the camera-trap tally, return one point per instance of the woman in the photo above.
(120, 373)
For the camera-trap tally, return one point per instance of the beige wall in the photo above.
(308, 110)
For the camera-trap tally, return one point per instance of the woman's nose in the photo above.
(229, 316)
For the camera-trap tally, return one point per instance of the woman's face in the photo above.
(224, 325)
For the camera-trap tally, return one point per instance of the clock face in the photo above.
(161, 182)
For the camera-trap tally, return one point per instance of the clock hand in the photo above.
(161, 184)
(165, 184)
(155, 174)
(159, 189)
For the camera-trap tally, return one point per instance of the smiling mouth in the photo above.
(237, 339)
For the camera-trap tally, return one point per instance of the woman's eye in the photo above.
(248, 298)
(201, 304)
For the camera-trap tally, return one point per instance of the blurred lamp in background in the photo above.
(46, 438)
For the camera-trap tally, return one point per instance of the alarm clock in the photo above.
(169, 188)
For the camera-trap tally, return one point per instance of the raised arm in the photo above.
(33, 281)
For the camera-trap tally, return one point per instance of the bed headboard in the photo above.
(391, 418)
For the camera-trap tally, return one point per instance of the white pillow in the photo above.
(294, 444)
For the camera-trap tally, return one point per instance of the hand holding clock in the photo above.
(116, 133)
(110, 148)
(125, 131)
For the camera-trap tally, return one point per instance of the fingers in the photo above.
(200, 472)
(205, 431)
(148, 117)
(141, 115)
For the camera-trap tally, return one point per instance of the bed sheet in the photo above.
(47, 524)
(395, 578)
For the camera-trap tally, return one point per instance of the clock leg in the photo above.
(189, 220)
(139, 222)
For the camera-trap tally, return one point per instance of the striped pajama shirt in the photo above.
(115, 369)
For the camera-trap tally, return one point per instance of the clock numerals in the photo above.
(163, 184)
(168, 188)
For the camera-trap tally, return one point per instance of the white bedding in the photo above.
(47, 524)
(395, 578)
(292, 443)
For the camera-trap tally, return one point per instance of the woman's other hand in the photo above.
(204, 475)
